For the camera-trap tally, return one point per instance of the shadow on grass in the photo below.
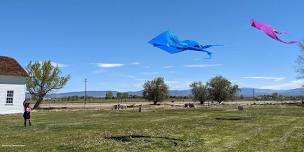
(52, 108)
(233, 118)
(128, 138)
(294, 104)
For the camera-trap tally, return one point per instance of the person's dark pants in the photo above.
(29, 120)
(27, 116)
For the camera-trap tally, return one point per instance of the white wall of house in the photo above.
(16, 84)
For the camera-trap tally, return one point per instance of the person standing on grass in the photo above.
(27, 114)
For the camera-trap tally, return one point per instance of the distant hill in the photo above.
(247, 92)
(257, 92)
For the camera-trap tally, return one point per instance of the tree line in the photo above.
(217, 89)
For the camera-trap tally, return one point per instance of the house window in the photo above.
(10, 97)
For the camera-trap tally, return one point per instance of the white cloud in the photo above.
(109, 65)
(178, 85)
(130, 76)
(284, 86)
(202, 65)
(135, 63)
(149, 73)
(138, 85)
(99, 71)
(59, 65)
(197, 59)
(265, 78)
(172, 82)
(134, 77)
(168, 66)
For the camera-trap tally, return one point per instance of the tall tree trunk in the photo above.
(155, 102)
(39, 100)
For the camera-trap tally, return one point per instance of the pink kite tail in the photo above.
(268, 30)
(278, 32)
(289, 42)
(293, 42)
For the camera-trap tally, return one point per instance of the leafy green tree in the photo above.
(233, 91)
(221, 89)
(155, 90)
(119, 95)
(241, 97)
(122, 95)
(199, 92)
(125, 95)
(43, 79)
(109, 95)
(274, 96)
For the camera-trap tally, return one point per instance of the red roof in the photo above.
(9, 66)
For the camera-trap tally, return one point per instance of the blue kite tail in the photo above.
(208, 46)
(209, 54)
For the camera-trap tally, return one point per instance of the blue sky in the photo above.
(106, 41)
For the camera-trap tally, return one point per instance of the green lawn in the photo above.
(267, 128)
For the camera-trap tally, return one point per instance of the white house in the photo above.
(12, 86)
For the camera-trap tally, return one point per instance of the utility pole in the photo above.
(85, 90)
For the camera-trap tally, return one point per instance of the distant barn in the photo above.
(12, 86)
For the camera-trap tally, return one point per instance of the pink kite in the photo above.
(267, 29)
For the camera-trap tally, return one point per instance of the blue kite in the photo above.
(169, 42)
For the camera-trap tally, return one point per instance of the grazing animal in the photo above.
(131, 106)
(115, 107)
(186, 105)
(189, 105)
(240, 108)
(123, 106)
(120, 106)
(139, 109)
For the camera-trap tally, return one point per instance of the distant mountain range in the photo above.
(247, 92)
(257, 92)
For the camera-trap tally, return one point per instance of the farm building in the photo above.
(12, 86)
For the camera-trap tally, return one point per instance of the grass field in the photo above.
(223, 128)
